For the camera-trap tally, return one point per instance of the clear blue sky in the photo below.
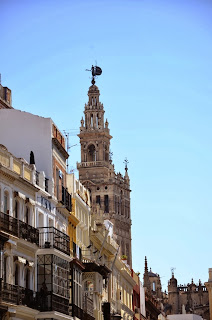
(156, 87)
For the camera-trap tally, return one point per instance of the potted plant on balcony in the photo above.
(124, 258)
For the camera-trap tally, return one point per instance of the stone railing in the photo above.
(92, 164)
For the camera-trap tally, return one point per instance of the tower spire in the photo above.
(147, 284)
(145, 265)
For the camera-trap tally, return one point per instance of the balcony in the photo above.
(17, 295)
(76, 311)
(18, 228)
(9, 224)
(43, 301)
(50, 302)
(66, 199)
(28, 232)
(88, 307)
(92, 164)
(50, 237)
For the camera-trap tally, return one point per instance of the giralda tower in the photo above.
(110, 191)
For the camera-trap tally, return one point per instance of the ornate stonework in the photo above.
(109, 190)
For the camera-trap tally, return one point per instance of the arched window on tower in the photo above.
(91, 120)
(153, 286)
(106, 154)
(97, 120)
(91, 153)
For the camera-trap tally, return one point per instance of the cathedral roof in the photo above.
(152, 274)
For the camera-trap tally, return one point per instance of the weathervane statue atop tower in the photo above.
(96, 71)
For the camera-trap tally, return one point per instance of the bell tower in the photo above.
(110, 191)
(94, 132)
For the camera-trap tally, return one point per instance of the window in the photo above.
(153, 286)
(88, 286)
(40, 220)
(26, 218)
(91, 153)
(27, 279)
(98, 200)
(106, 154)
(106, 203)
(6, 202)
(16, 209)
(76, 285)
(5, 269)
(91, 120)
(16, 274)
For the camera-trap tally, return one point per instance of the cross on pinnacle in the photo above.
(111, 155)
(126, 163)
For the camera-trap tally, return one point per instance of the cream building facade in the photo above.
(35, 248)
(18, 237)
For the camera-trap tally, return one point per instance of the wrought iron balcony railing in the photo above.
(52, 302)
(14, 294)
(28, 232)
(76, 311)
(17, 295)
(18, 228)
(87, 305)
(9, 224)
(50, 237)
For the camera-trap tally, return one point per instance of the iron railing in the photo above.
(76, 311)
(52, 302)
(9, 224)
(28, 232)
(87, 305)
(18, 295)
(50, 237)
(18, 228)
